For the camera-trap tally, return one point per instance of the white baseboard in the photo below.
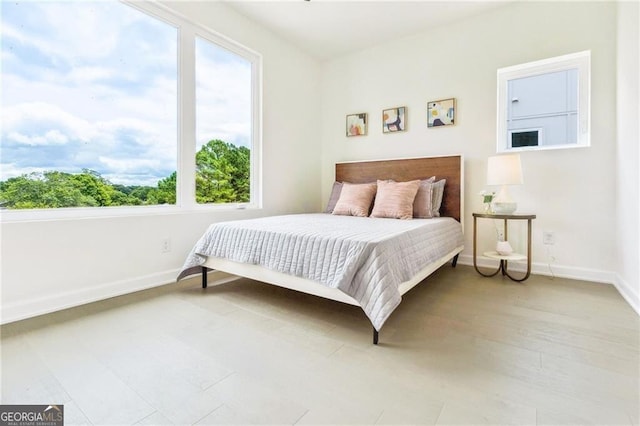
(571, 272)
(39, 306)
(12, 312)
(630, 295)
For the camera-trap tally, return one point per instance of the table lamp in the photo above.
(504, 170)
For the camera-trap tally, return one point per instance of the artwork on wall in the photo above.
(441, 113)
(357, 124)
(393, 120)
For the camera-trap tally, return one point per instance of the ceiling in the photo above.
(329, 28)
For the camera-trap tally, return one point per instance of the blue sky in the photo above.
(93, 85)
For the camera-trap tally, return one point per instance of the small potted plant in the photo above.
(487, 198)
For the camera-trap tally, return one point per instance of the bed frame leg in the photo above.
(454, 262)
(375, 336)
(204, 276)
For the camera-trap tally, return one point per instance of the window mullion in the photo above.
(186, 192)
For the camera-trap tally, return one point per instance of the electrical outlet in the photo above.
(165, 246)
(548, 238)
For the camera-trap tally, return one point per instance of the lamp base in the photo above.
(504, 207)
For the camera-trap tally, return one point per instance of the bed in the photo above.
(363, 261)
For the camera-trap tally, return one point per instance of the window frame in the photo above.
(187, 31)
(580, 61)
(255, 195)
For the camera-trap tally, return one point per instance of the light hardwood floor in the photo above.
(460, 349)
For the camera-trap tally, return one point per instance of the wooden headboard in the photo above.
(449, 168)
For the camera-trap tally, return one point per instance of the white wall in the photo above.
(571, 191)
(627, 152)
(49, 265)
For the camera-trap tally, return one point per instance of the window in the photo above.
(98, 106)
(90, 106)
(544, 104)
(223, 125)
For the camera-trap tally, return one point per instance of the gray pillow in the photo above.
(437, 191)
(422, 205)
(335, 195)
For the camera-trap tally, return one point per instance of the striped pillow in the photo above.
(355, 199)
(395, 199)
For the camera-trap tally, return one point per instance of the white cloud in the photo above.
(9, 170)
(123, 145)
(63, 22)
(51, 137)
(120, 165)
(89, 75)
(39, 123)
(223, 95)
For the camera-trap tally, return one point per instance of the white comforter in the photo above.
(366, 258)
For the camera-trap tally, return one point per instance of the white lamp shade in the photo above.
(504, 170)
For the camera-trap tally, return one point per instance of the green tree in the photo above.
(165, 193)
(44, 190)
(222, 176)
(92, 185)
(240, 178)
(139, 192)
(222, 173)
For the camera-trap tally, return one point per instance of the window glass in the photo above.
(522, 138)
(547, 101)
(545, 104)
(89, 106)
(223, 125)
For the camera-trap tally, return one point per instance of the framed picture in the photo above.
(393, 120)
(357, 124)
(441, 113)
